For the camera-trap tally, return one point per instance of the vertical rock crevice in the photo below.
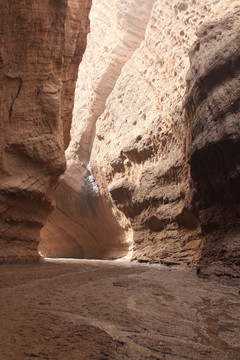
(15, 97)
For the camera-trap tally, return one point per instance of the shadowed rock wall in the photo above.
(212, 110)
(42, 43)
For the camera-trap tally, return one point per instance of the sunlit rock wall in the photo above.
(42, 43)
(85, 222)
(151, 173)
(140, 153)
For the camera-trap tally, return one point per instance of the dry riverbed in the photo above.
(83, 310)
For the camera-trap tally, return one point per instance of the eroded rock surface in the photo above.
(155, 172)
(140, 149)
(85, 222)
(42, 43)
(212, 110)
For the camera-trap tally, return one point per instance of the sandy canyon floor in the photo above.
(82, 310)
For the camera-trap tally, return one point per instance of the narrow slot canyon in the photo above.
(119, 179)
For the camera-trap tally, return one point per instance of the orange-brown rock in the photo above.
(139, 154)
(85, 222)
(42, 43)
(143, 168)
(213, 110)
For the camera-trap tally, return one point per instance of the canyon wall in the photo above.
(158, 175)
(139, 150)
(42, 43)
(212, 112)
(85, 223)
(182, 203)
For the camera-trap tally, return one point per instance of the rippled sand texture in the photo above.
(105, 310)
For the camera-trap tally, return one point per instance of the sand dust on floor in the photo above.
(83, 310)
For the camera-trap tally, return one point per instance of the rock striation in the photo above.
(212, 112)
(42, 43)
(153, 161)
(140, 153)
(85, 222)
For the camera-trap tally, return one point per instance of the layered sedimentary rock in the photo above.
(153, 172)
(42, 43)
(85, 223)
(140, 149)
(212, 112)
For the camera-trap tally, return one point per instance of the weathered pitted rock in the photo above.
(151, 184)
(41, 46)
(140, 148)
(83, 215)
(212, 110)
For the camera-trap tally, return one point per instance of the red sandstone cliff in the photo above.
(42, 43)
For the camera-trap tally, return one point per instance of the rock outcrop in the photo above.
(212, 111)
(42, 43)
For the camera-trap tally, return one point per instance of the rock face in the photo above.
(152, 174)
(85, 223)
(42, 43)
(140, 153)
(212, 111)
